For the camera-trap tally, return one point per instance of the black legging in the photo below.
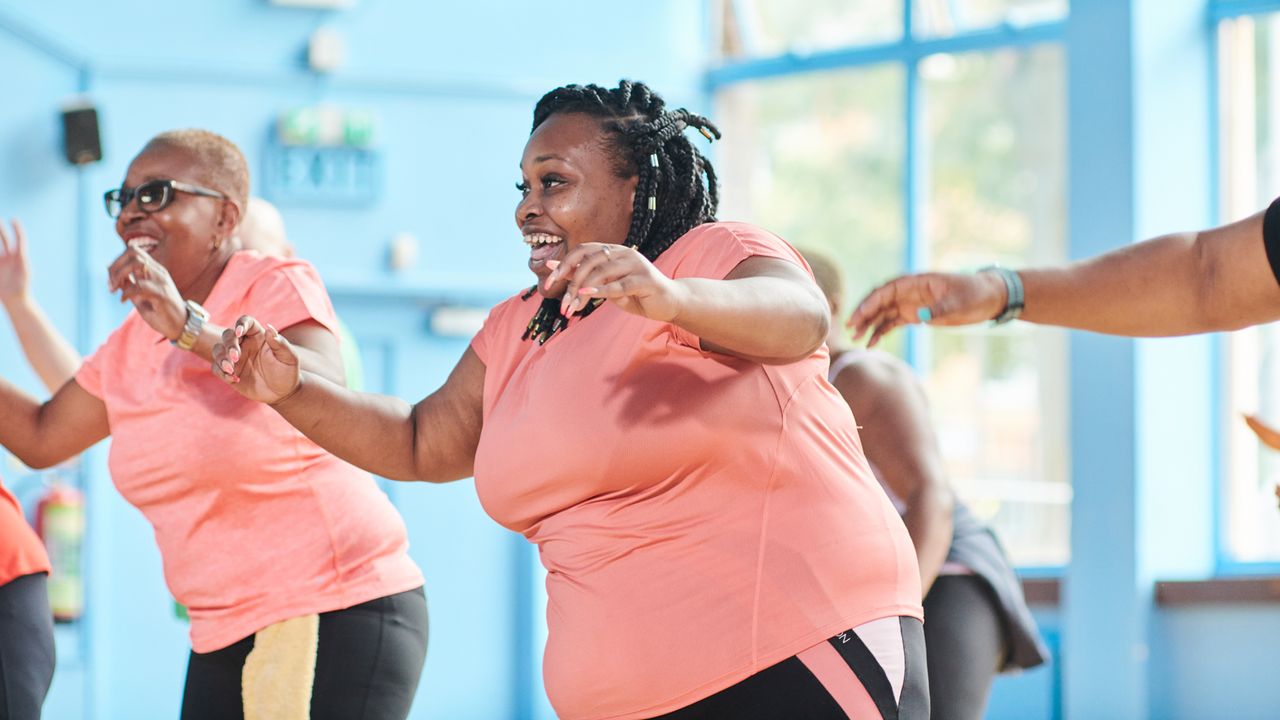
(789, 691)
(368, 661)
(967, 643)
(26, 647)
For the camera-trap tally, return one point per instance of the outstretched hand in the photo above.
(616, 273)
(933, 298)
(257, 361)
(15, 274)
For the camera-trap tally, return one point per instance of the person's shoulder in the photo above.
(516, 309)
(250, 264)
(874, 371)
(714, 248)
(261, 276)
(728, 231)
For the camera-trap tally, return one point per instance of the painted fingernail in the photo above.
(588, 291)
(239, 331)
(227, 367)
(234, 355)
(551, 264)
(924, 314)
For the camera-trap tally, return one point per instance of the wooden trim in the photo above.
(1248, 590)
(1042, 591)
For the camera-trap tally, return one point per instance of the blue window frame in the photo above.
(1246, 129)
(913, 56)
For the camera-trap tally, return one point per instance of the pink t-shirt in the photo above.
(255, 523)
(701, 517)
(21, 552)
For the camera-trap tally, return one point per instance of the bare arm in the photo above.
(434, 440)
(898, 439)
(1177, 284)
(49, 354)
(45, 434)
(767, 310)
(1172, 285)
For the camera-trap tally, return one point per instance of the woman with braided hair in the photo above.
(653, 414)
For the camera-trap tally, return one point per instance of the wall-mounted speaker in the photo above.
(80, 137)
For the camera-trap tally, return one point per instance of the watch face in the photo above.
(197, 310)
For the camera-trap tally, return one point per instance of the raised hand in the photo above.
(257, 361)
(15, 274)
(934, 298)
(146, 283)
(618, 274)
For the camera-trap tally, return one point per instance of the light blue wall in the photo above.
(453, 87)
(1145, 413)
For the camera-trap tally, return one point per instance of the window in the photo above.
(818, 159)
(1249, 151)
(941, 18)
(897, 157)
(757, 28)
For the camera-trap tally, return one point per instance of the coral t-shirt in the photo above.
(21, 552)
(255, 522)
(701, 517)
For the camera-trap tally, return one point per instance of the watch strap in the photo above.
(197, 316)
(1015, 296)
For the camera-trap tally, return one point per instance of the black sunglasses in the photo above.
(153, 195)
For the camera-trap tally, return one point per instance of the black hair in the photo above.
(676, 191)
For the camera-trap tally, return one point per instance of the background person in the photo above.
(977, 623)
(27, 650)
(262, 231)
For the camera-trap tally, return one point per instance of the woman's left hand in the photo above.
(619, 274)
(146, 283)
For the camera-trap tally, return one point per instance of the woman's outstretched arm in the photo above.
(434, 440)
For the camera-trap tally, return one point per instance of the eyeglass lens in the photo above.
(152, 196)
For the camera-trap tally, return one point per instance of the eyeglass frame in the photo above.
(125, 195)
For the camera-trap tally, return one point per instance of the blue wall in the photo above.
(452, 86)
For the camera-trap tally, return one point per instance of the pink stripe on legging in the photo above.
(838, 678)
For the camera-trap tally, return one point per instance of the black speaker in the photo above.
(80, 136)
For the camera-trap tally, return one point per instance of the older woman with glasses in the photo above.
(293, 565)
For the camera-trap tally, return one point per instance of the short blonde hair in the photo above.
(218, 161)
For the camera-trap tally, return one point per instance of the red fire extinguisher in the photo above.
(60, 524)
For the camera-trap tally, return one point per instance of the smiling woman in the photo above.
(646, 161)
(662, 429)
(274, 585)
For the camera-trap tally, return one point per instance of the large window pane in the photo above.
(818, 160)
(772, 27)
(996, 142)
(1250, 125)
(941, 18)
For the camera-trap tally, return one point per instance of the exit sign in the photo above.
(313, 174)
